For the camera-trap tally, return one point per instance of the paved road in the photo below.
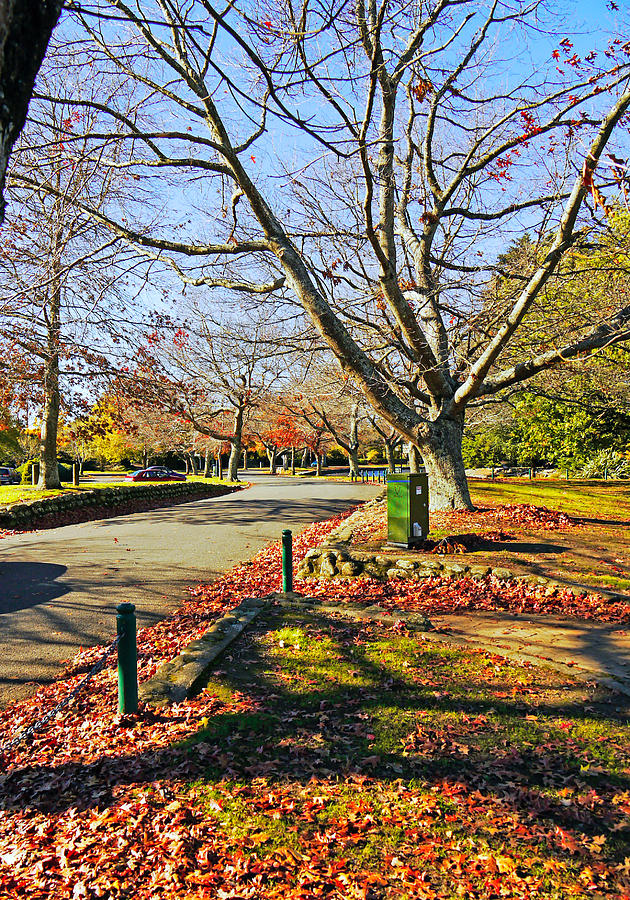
(58, 588)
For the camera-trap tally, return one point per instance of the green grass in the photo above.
(338, 741)
(18, 493)
(601, 499)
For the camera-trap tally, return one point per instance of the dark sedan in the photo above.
(9, 475)
(155, 473)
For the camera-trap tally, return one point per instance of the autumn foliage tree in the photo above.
(211, 374)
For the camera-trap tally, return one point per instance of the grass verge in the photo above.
(356, 761)
(19, 493)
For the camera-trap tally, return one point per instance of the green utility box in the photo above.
(407, 509)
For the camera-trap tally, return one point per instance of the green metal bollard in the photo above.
(127, 658)
(287, 561)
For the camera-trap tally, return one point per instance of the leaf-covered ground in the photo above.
(325, 760)
(328, 760)
(573, 531)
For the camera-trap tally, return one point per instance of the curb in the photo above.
(180, 678)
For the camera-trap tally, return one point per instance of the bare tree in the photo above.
(62, 275)
(421, 147)
(325, 397)
(389, 437)
(211, 372)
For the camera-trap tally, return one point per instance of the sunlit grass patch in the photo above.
(607, 499)
(421, 766)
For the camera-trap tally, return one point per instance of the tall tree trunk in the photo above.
(305, 458)
(353, 461)
(48, 463)
(236, 445)
(207, 465)
(235, 455)
(443, 460)
(353, 441)
(272, 456)
(245, 459)
(318, 465)
(219, 465)
(193, 463)
(414, 459)
(389, 456)
(293, 460)
(25, 28)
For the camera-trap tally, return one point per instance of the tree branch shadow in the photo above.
(293, 732)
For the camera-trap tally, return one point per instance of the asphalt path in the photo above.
(59, 587)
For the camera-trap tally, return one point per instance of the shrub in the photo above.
(606, 462)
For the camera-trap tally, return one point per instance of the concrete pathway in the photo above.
(59, 587)
(586, 649)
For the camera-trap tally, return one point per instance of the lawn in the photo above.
(18, 493)
(593, 551)
(328, 759)
(598, 499)
(358, 761)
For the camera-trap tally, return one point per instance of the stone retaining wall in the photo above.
(102, 502)
(336, 559)
(339, 562)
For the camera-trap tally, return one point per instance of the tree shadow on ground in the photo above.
(518, 547)
(26, 584)
(246, 511)
(379, 723)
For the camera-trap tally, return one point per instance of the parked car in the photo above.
(155, 473)
(9, 475)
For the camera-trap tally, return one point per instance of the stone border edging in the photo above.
(415, 621)
(337, 561)
(180, 678)
(103, 503)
